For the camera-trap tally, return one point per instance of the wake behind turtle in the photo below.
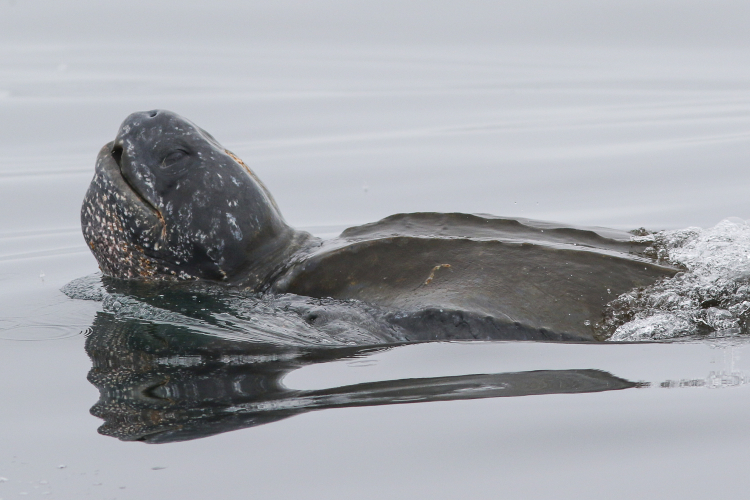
(169, 203)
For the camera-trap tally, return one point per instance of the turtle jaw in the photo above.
(124, 231)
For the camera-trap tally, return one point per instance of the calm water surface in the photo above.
(620, 137)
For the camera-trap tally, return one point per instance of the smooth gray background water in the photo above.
(601, 113)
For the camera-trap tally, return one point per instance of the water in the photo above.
(709, 297)
(350, 114)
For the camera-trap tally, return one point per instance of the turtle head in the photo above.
(168, 201)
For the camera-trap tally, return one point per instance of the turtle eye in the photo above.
(174, 157)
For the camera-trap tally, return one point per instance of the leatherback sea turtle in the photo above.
(168, 202)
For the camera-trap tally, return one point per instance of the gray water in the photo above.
(591, 113)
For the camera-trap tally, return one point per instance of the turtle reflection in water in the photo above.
(162, 382)
(222, 298)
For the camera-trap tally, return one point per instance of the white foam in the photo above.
(711, 297)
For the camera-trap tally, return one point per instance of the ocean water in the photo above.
(591, 114)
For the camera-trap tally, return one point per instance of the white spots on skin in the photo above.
(234, 228)
(213, 180)
(215, 252)
(200, 198)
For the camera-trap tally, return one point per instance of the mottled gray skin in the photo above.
(168, 202)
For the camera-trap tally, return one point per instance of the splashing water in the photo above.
(710, 298)
(214, 310)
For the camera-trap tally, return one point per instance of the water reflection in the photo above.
(162, 382)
